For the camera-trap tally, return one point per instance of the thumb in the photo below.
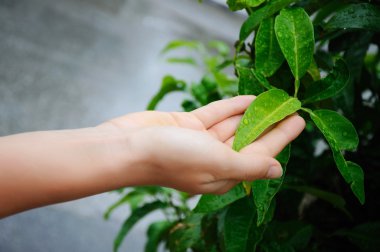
(245, 167)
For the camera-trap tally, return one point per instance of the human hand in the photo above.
(192, 151)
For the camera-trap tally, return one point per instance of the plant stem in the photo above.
(296, 87)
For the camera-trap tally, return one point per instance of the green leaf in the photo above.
(268, 53)
(329, 86)
(365, 236)
(338, 130)
(263, 191)
(134, 218)
(169, 84)
(268, 108)
(334, 199)
(175, 44)
(313, 71)
(184, 60)
(235, 5)
(238, 223)
(126, 199)
(295, 34)
(262, 80)
(257, 16)
(209, 202)
(222, 48)
(156, 232)
(186, 233)
(248, 84)
(356, 16)
(341, 135)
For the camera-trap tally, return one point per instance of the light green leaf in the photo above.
(295, 34)
(175, 44)
(156, 233)
(169, 84)
(248, 83)
(263, 191)
(235, 5)
(126, 199)
(222, 48)
(135, 216)
(356, 16)
(258, 15)
(268, 53)
(341, 135)
(184, 60)
(313, 71)
(268, 108)
(210, 202)
(329, 86)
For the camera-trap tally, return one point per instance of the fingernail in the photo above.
(274, 172)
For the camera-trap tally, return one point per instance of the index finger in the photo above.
(218, 111)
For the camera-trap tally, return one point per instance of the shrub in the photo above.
(320, 58)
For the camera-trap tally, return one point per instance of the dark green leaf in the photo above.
(341, 135)
(169, 84)
(356, 16)
(156, 232)
(209, 202)
(248, 84)
(295, 34)
(186, 234)
(257, 16)
(334, 199)
(365, 236)
(235, 5)
(268, 108)
(329, 86)
(263, 191)
(239, 220)
(268, 53)
(134, 218)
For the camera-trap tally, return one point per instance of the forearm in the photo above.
(43, 168)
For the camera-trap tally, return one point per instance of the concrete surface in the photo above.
(76, 63)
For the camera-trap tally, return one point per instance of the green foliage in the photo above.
(333, 81)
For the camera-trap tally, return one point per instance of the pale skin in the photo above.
(190, 152)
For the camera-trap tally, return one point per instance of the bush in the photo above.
(327, 68)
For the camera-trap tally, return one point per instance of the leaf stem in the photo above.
(296, 87)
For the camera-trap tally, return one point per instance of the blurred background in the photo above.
(77, 63)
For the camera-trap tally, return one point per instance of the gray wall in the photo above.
(76, 63)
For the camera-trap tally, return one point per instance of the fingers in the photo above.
(225, 129)
(218, 111)
(278, 138)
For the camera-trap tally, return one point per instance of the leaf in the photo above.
(356, 16)
(262, 80)
(238, 223)
(258, 15)
(169, 84)
(268, 53)
(295, 34)
(155, 233)
(184, 60)
(341, 135)
(222, 48)
(123, 200)
(186, 233)
(338, 130)
(248, 84)
(334, 199)
(329, 86)
(263, 191)
(134, 218)
(365, 236)
(175, 44)
(209, 202)
(268, 108)
(313, 71)
(235, 5)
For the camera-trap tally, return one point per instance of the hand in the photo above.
(192, 151)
